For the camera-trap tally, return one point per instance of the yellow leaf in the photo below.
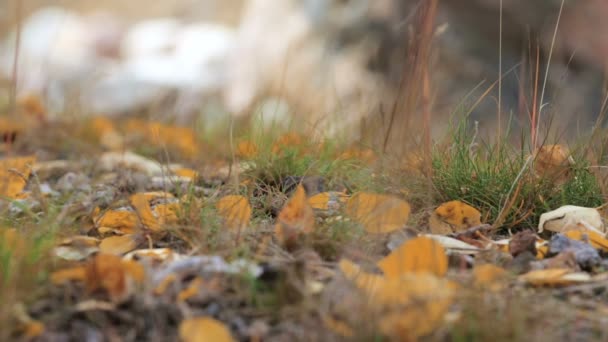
(553, 162)
(289, 140)
(596, 240)
(327, 200)
(407, 307)
(246, 150)
(77, 273)
(186, 172)
(33, 329)
(120, 244)
(295, 219)
(182, 139)
(190, 291)
(338, 327)
(454, 216)
(14, 173)
(488, 276)
(204, 329)
(418, 255)
(378, 213)
(141, 204)
(554, 277)
(365, 155)
(235, 210)
(166, 213)
(161, 288)
(125, 221)
(114, 276)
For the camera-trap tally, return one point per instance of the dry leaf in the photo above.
(186, 173)
(190, 291)
(330, 200)
(407, 307)
(378, 213)
(295, 219)
(596, 240)
(111, 274)
(454, 245)
(417, 255)
(246, 150)
(288, 141)
(553, 162)
(33, 329)
(78, 247)
(77, 273)
(181, 139)
(452, 217)
(121, 244)
(124, 221)
(111, 161)
(338, 327)
(235, 210)
(570, 217)
(554, 277)
(204, 329)
(141, 204)
(14, 173)
(488, 276)
(366, 155)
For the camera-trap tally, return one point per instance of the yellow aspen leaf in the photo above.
(453, 216)
(190, 291)
(186, 172)
(204, 329)
(120, 244)
(125, 221)
(327, 200)
(418, 255)
(246, 150)
(596, 240)
(141, 204)
(378, 213)
(14, 173)
(114, 276)
(295, 219)
(166, 213)
(33, 329)
(182, 139)
(489, 276)
(365, 155)
(554, 277)
(338, 327)
(411, 305)
(235, 210)
(554, 162)
(77, 273)
(164, 284)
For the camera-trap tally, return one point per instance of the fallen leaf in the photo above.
(452, 217)
(181, 139)
(411, 305)
(186, 173)
(204, 329)
(77, 273)
(111, 161)
(523, 241)
(553, 162)
(33, 329)
(235, 210)
(190, 291)
(365, 155)
(596, 240)
(288, 141)
(295, 219)
(554, 277)
(338, 327)
(570, 217)
(124, 221)
(120, 244)
(246, 150)
(417, 255)
(378, 213)
(330, 200)
(114, 276)
(141, 203)
(14, 173)
(454, 245)
(489, 276)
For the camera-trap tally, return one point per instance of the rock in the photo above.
(585, 255)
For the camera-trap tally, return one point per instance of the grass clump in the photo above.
(499, 179)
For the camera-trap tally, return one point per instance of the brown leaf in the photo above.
(521, 242)
(378, 213)
(553, 162)
(488, 276)
(112, 275)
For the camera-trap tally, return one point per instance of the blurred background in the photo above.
(352, 68)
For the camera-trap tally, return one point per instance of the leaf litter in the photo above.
(152, 249)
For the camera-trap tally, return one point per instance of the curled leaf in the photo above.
(570, 217)
(453, 216)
